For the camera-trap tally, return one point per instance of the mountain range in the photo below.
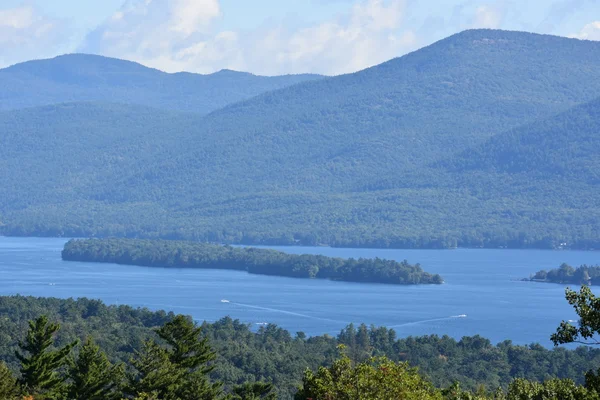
(486, 138)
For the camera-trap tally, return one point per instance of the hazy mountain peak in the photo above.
(86, 77)
(79, 64)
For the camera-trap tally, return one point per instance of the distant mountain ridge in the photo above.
(84, 77)
(456, 144)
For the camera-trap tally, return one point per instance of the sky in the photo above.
(269, 37)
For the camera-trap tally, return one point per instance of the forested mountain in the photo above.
(83, 77)
(347, 133)
(442, 147)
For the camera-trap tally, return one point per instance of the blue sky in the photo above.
(269, 37)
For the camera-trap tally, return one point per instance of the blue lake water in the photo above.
(480, 284)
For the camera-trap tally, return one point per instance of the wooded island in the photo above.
(181, 254)
(583, 275)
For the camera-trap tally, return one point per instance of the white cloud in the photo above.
(368, 36)
(487, 16)
(27, 34)
(17, 18)
(190, 16)
(155, 32)
(182, 35)
(589, 32)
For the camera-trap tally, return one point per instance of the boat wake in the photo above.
(280, 311)
(429, 320)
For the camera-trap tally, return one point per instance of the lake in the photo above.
(482, 294)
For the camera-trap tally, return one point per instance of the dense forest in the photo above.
(274, 355)
(582, 275)
(178, 254)
(451, 145)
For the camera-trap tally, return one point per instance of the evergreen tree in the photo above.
(156, 374)
(93, 377)
(188, 349)
(8, 383)
(190, 352)
(40, 365)
(254, 391)
(178, 370)
(363, 342)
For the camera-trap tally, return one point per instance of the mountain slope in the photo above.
(550, 168)
(366, 159)
(82, 77)
(563, 146)
(347, 133)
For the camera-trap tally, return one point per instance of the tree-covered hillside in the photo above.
(70, 152)
(84, 77)
(453, 145)
(563, 146)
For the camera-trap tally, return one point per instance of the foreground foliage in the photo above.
(379, 378)
(177, 369)
(275, 356)
(587, 307)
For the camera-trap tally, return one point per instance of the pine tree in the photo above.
(178, 370)
(188, 350)
(187, 347)
(93, 377)
(198, 387)
(363, 343)
(254, 391)
(40, 366)
(156, 373)
(8, 383)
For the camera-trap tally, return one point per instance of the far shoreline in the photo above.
(262, 245)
